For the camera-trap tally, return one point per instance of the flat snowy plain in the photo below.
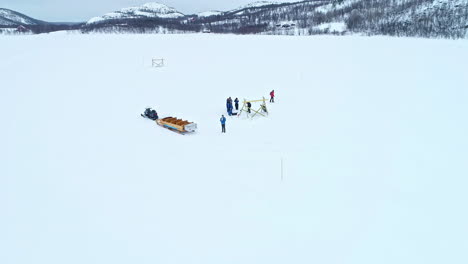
(363, 158)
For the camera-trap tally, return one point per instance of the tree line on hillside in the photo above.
(407, 18)
(40, 28)
(372, 17)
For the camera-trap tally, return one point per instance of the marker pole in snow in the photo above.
(281, 168)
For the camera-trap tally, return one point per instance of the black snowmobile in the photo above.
(151, 114)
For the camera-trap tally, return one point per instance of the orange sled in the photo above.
(177, 125)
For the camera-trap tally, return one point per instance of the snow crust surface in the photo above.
(363, 158)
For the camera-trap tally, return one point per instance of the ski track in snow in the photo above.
(369, 135)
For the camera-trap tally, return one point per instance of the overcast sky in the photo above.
(82, 10)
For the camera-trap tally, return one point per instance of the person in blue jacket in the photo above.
(223, 124)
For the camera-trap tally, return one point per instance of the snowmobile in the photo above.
(151, 114)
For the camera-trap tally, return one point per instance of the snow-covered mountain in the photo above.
(10, 18)
(148, 10)
(157, 10)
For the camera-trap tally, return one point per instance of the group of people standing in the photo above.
(230, 108)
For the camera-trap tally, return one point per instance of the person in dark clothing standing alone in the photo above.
(223, 124)
(248, 107)
(236, 102)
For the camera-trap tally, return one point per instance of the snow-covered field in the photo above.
(363, 158)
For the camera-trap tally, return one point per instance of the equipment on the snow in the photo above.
(177, 125)
(157, 62)
(247, 107)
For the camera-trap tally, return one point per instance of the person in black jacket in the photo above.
(229, 105)
(249, 105)
(154, 115)
(148, 112)
(236, 102)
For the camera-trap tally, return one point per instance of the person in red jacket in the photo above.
(272, 95)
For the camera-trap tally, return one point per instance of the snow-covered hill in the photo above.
(10, 18)
(149, 10)
(429, 18)
(362, 159)
(152, 10)
(426, 18)
(453, 13)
